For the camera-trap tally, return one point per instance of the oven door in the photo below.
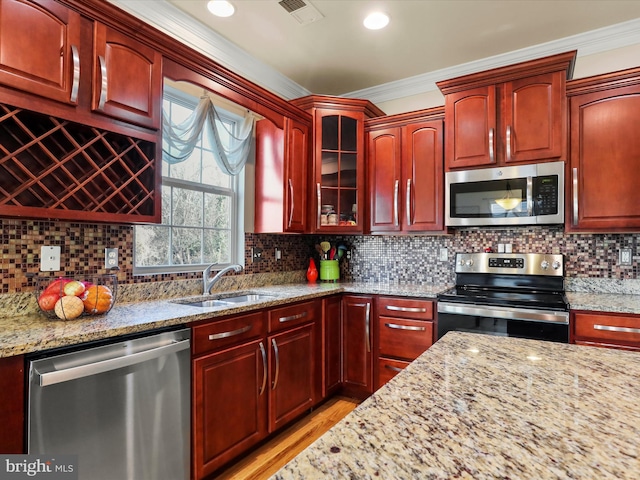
(505, 321)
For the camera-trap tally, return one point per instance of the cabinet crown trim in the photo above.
(553, 63)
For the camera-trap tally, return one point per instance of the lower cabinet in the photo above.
(613, 330)
(332, 351)
(405, 329)
(357, 345)
(12, 393)
(252, 374)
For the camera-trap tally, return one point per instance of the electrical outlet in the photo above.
(625, 256)
(278, 254)
(110, 258)
(444, 255)
(49, 259)
(256, 254)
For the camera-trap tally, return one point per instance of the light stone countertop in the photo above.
(36, 332)
(604, 302)
(485, 407)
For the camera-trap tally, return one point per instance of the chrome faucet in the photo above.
(209, 283)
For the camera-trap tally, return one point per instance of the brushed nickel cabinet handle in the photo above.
(575, 197)
(290, 203)
(264, 369)
(319, 200)
(491, 146)
(277, 354)
(231, 333)
(408, 201)
(75, 83)
(292, 317)
(610, 328)
(103, 83)
(396, 189)
(405, 327)
(391, 367)
(367, 323)
(395, 308)
(508, 142)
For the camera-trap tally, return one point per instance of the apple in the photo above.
(74, 288)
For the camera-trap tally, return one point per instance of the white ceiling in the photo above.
(338, 56)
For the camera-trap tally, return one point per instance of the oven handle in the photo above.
(508, 313)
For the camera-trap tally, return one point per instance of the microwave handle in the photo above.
(530, 196)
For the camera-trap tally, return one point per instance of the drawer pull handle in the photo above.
(405, 327)
(610, 328)
(406, 309)
(232, 333)
(292, 317)
(264, 369)
(391, 367)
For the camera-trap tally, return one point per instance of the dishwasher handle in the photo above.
(80, 371)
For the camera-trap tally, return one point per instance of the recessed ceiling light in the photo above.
(376, 21)
(221, 8)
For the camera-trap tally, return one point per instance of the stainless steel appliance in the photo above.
(521, 195)
(122, 408)
(510, 294)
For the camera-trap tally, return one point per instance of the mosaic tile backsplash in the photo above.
(394, 259)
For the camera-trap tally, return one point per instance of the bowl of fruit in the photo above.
(67, 298)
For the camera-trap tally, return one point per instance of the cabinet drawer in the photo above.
(388, 368)
(617, 328)
(221, 333)
(403, 338)
(405, 308)
(291, 315)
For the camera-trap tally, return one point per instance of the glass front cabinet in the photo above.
(338, 176)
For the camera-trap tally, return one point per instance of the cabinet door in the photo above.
(127, 78)
(534, 118)
(39, 42)
(384, 166)
(357, 344)
(605, 160)
(292, 367)
(297, 167)
(422, 176)
(332, 345)
(229, 405)
(389, 368)
(12, 419)
(339, 170)
(470, 133)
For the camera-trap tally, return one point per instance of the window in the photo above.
(201, 223)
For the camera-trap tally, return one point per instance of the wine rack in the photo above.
(54, 168)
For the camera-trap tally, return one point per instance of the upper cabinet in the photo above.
(282, 168)
(117, 59)
(602, 186)
(338, 167)
(39, 49)
(405, 172)
(508, 115)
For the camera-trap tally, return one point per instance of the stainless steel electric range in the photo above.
(509, 294)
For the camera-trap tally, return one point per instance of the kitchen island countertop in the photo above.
(484, 407)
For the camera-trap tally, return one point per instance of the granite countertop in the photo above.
(36, 332)
(604, 302)
(484, 407)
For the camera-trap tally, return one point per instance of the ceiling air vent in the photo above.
(302, 11)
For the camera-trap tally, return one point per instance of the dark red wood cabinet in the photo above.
(332, 351)
(602, 185)
(406, 173)
(357, 345)
(603, 329)
(508, 115)
(12, 404)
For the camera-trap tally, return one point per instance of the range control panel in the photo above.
(511, 263)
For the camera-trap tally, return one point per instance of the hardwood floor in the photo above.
(269, 458)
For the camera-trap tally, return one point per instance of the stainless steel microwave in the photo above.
(519, 195)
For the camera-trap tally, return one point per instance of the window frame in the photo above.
(236, 193)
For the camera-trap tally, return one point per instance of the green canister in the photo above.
(329, 270)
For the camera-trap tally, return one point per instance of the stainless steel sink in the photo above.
(225, 301)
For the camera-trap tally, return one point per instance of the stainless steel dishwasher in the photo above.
(122, 408)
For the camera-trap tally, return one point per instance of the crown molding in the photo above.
(587, 43)
(182, 27)
(177, 24)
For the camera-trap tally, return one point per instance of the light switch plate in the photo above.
(49, 259)
(110, 258)
(444, 255)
